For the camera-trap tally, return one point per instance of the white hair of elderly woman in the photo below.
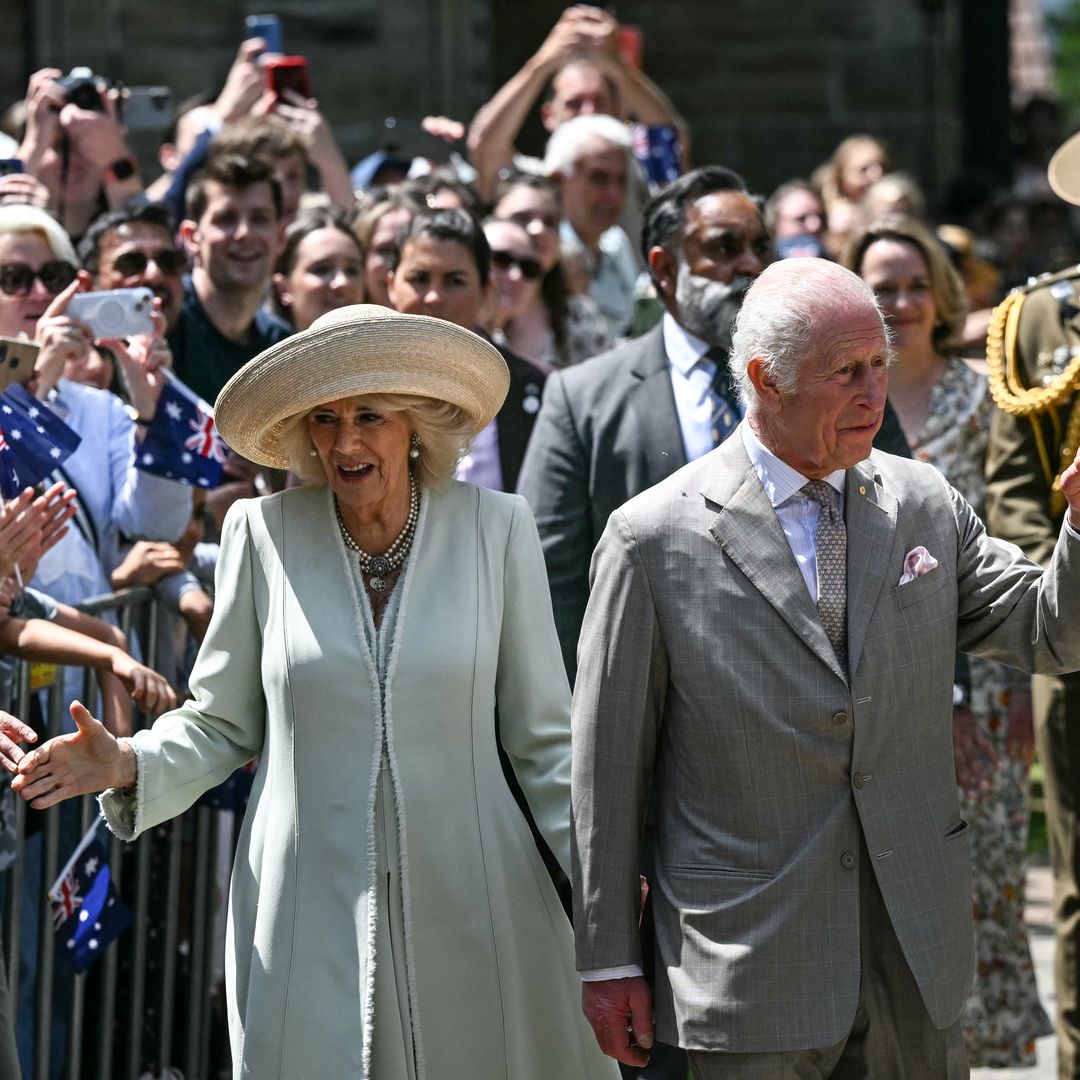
(783, 314)
(574, 138)
(22, 218)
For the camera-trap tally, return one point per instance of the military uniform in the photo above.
(1033, 349)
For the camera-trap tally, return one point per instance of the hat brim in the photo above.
(357, 351)
(1063, 172)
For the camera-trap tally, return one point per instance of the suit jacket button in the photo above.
(848, 860)
(839, 717)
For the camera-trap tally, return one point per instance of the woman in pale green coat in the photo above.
(390, 917)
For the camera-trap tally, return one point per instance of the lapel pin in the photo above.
(862, 490)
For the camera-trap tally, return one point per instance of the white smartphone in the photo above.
(115, 313)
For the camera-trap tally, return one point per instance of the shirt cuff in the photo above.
(627, 971)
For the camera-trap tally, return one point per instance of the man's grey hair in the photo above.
(570, 141)
(783, 315)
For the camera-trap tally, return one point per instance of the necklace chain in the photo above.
(378, 566)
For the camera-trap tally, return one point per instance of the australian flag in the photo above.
(182, 442)
(88, 914)
(33, 441)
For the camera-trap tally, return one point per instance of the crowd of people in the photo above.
(504, 428)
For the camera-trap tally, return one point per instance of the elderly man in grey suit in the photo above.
(769, 644)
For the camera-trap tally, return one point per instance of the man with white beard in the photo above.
(623, 421)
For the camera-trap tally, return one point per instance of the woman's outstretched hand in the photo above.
(88, 760)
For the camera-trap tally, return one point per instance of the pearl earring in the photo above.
(312, 453)
(414, 448)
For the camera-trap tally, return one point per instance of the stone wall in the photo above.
(769, 86)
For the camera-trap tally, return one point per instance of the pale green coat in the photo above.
(285, 673)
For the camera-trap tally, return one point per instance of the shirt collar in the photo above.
(683, 349)
(780, 481)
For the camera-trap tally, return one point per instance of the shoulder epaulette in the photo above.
(1012, 396)
(1006, 384)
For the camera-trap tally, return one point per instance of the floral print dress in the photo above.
(1003, 1016)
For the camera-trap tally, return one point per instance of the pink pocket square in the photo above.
(917, 561)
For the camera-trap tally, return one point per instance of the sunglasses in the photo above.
(167, 260)
(530, 268)
(17, 279)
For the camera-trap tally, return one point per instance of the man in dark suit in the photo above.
(623, 421)
(443, 269)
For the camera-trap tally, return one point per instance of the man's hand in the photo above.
(96, 135)
(616, 1008)
(1070, 488)
(581, 28)
(245, 83)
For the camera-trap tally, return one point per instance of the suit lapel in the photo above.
(747, 528)
(870, 517)
(652, 403)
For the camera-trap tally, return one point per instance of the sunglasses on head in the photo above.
(167, 260)
(530, 268)
(17, 279)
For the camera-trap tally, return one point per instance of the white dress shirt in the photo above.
(691, 382)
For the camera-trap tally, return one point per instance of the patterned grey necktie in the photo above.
(831, 567)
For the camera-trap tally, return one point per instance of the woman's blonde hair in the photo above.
(946, 287)
(21, 218)
(444, 433)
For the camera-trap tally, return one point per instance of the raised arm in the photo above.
(495, 127)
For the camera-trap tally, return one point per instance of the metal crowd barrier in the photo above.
(151, 1004)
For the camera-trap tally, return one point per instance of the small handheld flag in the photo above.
(182, 442)
(88, 914)
(33, 441)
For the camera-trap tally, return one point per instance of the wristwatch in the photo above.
(121, 169)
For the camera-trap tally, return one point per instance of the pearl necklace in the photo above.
(378, 566)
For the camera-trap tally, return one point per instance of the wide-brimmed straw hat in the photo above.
(354, 351)
(1063, 172)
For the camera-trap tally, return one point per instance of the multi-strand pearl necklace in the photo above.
(376, 567)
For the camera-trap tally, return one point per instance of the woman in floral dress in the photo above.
(944, 408)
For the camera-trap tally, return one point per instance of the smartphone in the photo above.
(147, 108)
(17, 360)
(267, 27)
(115, 313)
(10, 165)
(629, 40)
(289, 73)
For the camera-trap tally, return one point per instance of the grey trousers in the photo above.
(891, 1037)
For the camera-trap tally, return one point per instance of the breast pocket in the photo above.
(920, 588)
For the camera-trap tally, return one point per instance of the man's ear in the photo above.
(767, 392)
(665, 271)
(189, 236)
(546, 118)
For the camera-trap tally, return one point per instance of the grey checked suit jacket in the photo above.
(704, 669)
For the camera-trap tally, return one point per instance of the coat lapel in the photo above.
(747, 528)
(652, 403)
(870, 516)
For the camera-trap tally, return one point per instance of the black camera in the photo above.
(82, 88)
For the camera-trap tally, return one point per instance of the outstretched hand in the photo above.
(617, 1009)
(12, 731)
(89, 760)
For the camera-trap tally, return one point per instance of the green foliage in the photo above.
(1064, 25)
